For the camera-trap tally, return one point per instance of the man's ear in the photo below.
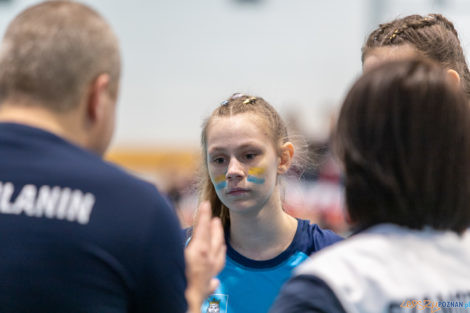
(97, 90)
(287, 153)
(453, 76)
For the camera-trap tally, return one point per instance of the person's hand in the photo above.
(205, 258)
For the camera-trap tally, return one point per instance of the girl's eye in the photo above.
(250, 156)
(218, 160)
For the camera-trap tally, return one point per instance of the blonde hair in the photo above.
(238, 104)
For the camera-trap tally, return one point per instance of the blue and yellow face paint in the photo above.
(220, 182)
(253, 175)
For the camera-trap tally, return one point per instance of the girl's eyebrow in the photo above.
(241, 147)
(215, 149)
(249, 144)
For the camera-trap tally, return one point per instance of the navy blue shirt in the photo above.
(306, 294)
(80, 235)
(250, 286)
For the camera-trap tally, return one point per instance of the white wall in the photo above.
(183, 57)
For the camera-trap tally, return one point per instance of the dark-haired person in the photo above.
(432, 36)
(403, 137)
(78, 234)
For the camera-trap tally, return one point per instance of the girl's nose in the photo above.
(234, 170)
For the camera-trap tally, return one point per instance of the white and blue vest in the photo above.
(394, 269)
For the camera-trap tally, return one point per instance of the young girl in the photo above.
(432, 36)
(246, 149)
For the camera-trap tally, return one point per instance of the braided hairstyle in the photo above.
(433, 35)
(238, 104)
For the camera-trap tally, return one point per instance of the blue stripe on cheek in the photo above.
(256, 180)
(220, 185)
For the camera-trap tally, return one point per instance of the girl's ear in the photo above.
(287, 153)
(453, 76)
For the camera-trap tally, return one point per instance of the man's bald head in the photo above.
(52, 51)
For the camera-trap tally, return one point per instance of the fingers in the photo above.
(218, 247)
(209, 237)
(202, 229)
(213, 285)
(205, 256)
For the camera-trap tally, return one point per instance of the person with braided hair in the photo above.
(432, 36)
(402, 198)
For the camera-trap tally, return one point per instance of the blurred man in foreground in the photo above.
(78, 234)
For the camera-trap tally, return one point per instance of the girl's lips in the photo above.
(237, 191)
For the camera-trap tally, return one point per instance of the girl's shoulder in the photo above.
(312, 237)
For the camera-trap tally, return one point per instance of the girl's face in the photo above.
(242, 161)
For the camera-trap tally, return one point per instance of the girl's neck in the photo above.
(264, 234)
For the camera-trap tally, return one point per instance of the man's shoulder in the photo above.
(32, 156)
(85, 168)
(115, 185)
(118, 177)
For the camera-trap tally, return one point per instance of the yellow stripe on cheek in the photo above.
(255, 171)
(219, 179)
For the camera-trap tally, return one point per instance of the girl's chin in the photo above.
(243, 206)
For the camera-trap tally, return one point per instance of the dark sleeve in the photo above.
(306, 294)
(162, 280)
(323, 238)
